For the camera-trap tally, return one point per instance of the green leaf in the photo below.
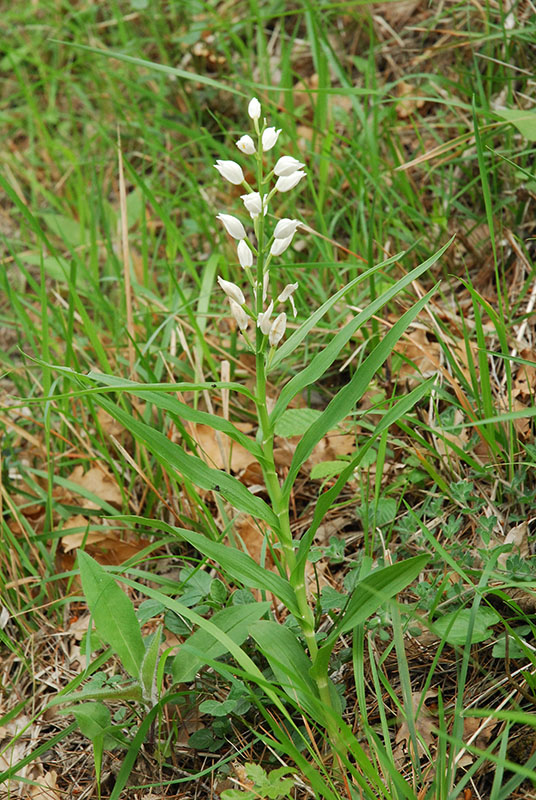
(327, 498)
(201, 647)
(130, 692)
(323, 360)
(239, 565)
(296, 338)
(113, 614)
(163, 400)
(382, 513)
(456, 626)
(327, 469)
(345, 400)
(515, 649)
(217, 709)
(289, 663)
(94, 719)
(193, 468)
(295, 421)
(370, 593)
(524, 121)
(69, 231)
(149, 666)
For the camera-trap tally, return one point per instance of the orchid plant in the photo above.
(255, 261)
(302, 673)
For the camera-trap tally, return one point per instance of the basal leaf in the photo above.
(295, 421)
(113, 614)
(456, 626)
(524, 121)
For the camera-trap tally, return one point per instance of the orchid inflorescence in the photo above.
(255, 261)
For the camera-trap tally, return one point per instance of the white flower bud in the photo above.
(269, 138)
(253, 203)
(254, 108)
(277, 331)
(263, 320)
(232, 225)
(287, 165)
(287, 293)
(246, 145)
(287, 182)
(242, 319)
(231, 171)
(265, 282)
(280, 245)
(245, 256)
(285, 228)
(233, 291)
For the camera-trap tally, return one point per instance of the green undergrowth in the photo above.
(116, 346)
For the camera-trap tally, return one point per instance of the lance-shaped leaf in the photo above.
(237, 564)
(192, 467)
(113, 614)
(367, 596)
(167, 402)
(325, 358)
(299, 335)
(289, 663)
(327, 498)
(345, 400)
(200, 648)
(370, 593)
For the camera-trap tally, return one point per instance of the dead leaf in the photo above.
(519, 538)
(409, 100)
(482, 729)
(524, 380)
(99, 482)
(425, 722)
(252, 538)
(220, 451)
(395, 14)
(73, 540)
(422, 355)
(47, 788)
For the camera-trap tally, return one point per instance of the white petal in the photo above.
(231, 171)
(232, 225)
(253, 203)
(269, 138)
(280, 245)
(232, 290)
(285, 228)
(288, 182)
(277, 331)
(239, 314)
(254, 108)
(263, 320)
(287, 292)
(246, 145)
(245, 256)
(287, 165)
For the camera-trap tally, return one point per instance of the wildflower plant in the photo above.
(299, 656)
